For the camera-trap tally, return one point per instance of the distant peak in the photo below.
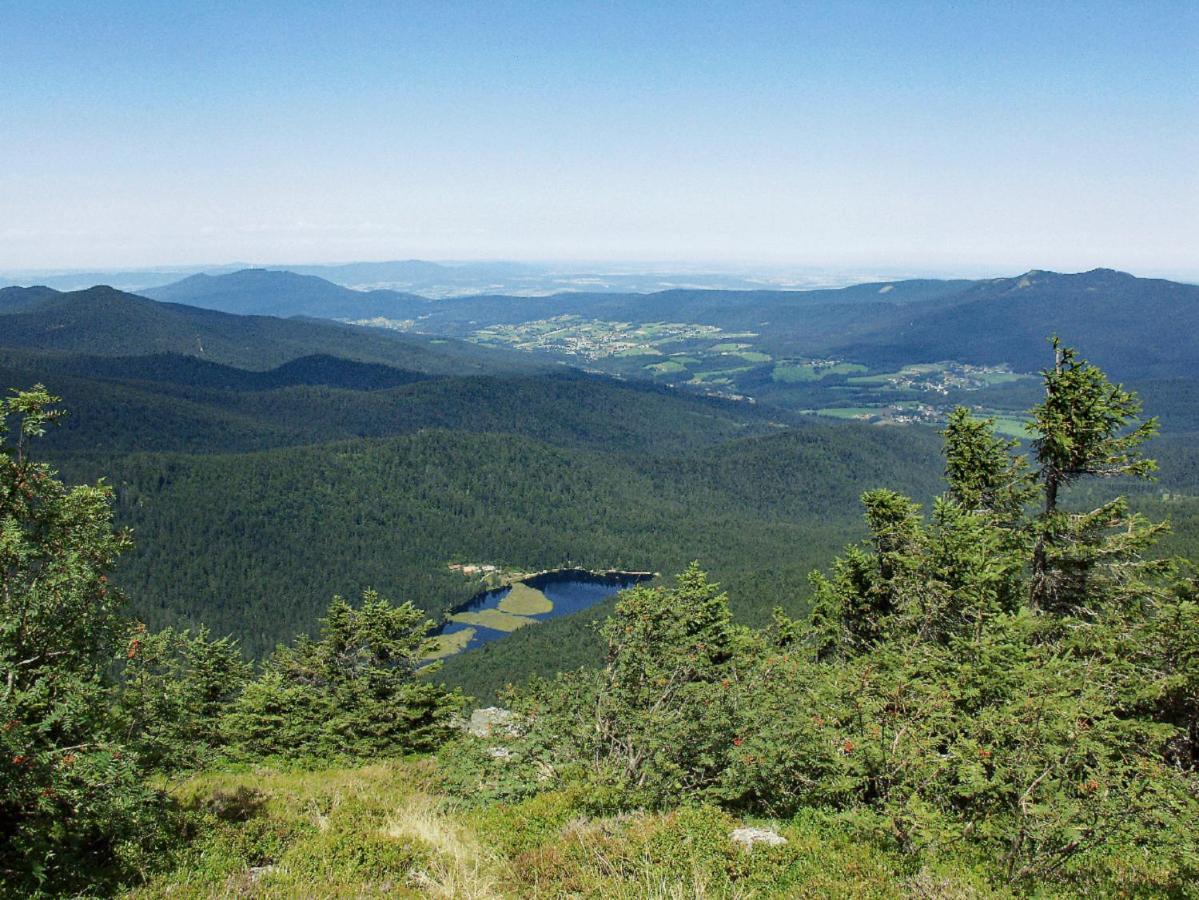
(272, 274)
(1034, 275)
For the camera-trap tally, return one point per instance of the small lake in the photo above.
(494, 614)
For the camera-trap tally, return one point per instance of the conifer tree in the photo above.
(353, 689)
(1085, 427)
(983, 472)
(659, 725)
(74, 811)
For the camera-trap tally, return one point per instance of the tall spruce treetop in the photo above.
(1086, 427)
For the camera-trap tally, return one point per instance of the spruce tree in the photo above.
(1085, 427)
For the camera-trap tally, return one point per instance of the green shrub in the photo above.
(174, 690)
(75, 813)
(352, 691)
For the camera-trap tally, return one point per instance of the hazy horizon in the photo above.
(812, 275)
(959, 139)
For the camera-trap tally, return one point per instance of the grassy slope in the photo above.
(385, 830)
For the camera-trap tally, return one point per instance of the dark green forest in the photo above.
(251, 543)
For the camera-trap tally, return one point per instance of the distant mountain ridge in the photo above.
(268, 292)
(1143, 327)
(106, 322)
(1135, 327)
(451, 278)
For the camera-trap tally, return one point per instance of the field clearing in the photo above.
(493, 618)
(796, 374)
(993, 378)
(874, 379)
(524, 600)
(718, 376)
(449, 644)
(1012, 427)
(845, 412)
(669, 367)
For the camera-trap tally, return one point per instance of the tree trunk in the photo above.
(1040, 562)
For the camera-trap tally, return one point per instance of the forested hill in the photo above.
(190, 371)
(106, 322)
(264, 292)
(254, 544)
(1138, 327)
(119, 414)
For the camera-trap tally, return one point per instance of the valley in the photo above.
(732, 430)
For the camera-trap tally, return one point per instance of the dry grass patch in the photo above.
(493, 618)
(459, 866)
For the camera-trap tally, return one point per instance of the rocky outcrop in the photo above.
(492, 721)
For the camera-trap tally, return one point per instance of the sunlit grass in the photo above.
(523, 600)
(493, 618)
(451, 643)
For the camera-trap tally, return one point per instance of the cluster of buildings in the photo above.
(592, 338)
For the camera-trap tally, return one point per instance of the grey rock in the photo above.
(494, 720)
(747, 837)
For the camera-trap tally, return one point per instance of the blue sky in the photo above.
(907, 135)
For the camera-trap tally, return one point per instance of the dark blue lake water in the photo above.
(570, 591)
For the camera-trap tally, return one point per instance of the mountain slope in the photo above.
(255, 544)
(265, 292)
(106, 322)
(1135, 327)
